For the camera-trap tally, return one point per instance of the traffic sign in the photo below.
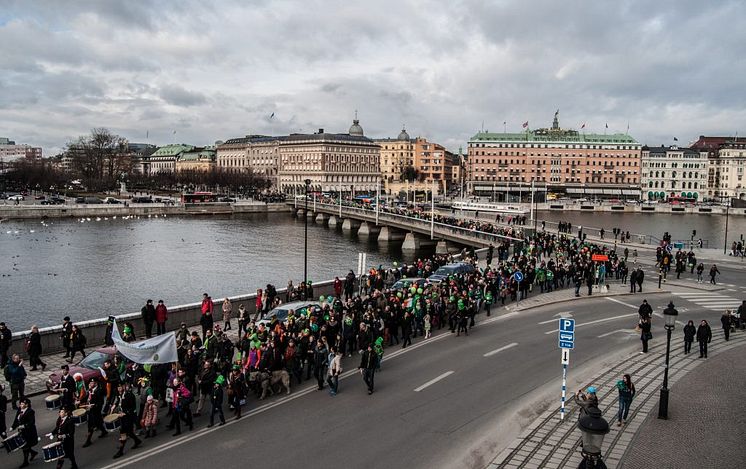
(669, 248)
(565, 356)
(518, 276)
(600, 257)
(566, 334)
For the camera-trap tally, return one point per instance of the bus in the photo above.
(198, 198)
(680, 200)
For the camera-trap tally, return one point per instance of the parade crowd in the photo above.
(363, 317)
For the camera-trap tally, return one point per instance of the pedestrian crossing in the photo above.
(711, 300)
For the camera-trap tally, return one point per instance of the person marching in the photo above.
(64, 431)
(150, 416)
(67, 389)
(367, 367)
(216, 399)
(236, 389)
(335, 370)
(129, 417)
(25, 422)
(96, 401)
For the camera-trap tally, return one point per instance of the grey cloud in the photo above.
(179, 96)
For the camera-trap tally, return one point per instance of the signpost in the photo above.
(566, 339)
(518, 276)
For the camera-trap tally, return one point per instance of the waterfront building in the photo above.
(726, 163)
(673, 172)
(196, 159)
(558, 160)
(348, 162)
(10, 151)
(434, 164)
(163, 160)
(397, 156)
(256, 153)
(140, 154)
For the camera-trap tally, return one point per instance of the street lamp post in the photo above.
(727, 213)
(305, 236)
(670, 314)
(593, 428)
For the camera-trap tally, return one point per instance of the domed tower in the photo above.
(403, 135)
(355, 128)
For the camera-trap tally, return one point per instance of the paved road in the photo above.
(467, 406)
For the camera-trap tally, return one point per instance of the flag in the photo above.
(607, 125)
(675, 139)
(272, 116)
(159, 349)
(174, 132)
(147, 134)
(582, 126)
(525, 125)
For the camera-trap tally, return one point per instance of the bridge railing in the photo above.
(421, 223)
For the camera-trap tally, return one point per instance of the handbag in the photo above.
(648, 335)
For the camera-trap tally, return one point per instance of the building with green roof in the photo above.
(570, 162)
(163, 160)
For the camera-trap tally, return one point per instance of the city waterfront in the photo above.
(88, 270)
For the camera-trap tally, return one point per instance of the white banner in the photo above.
(159, 349)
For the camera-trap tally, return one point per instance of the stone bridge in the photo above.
(414, 233)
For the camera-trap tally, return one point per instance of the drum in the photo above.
(112, 422)
(53, 452)
(80, 416)
(53, 401)
(14, 442)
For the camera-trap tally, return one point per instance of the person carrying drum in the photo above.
(67, 389)
(64, 431)
(25, 422)
(96, 401)
(129, 419)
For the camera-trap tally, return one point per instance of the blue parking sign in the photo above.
(566, 334)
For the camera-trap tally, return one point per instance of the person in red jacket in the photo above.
(161, 315)
(337, 287)
(206, 319)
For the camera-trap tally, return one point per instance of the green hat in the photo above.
(220, 380)
(236, 367)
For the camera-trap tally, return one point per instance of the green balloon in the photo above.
(321, 298)
(398, 294)
(420, 290)
(413, 289)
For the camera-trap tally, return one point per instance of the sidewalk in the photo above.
(687, 439)
(550, 443)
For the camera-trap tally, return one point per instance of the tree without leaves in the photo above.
(99, 158)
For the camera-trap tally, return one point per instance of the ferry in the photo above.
(486, 207)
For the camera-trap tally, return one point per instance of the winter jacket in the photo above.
(150, 414)
(704, 333)
(689, 332)
(161, 313)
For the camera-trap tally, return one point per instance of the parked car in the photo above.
(281, 312)
(112, 200)
(451, 269)
(17, 197)
(88, 367)
(53, 201)
(40, 197)
(142, 200)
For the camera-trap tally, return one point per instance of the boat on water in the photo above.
(487, 207)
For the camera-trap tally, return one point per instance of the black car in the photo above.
(53, 201)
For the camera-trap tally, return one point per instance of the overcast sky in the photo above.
(665, 68)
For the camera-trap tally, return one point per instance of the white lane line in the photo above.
(627, 331)
(597, 321)
(434, 380)
(489, 354)
(621, 302)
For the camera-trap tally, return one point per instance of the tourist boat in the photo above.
(487, 207)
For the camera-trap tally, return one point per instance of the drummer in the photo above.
(25, 422)
(64, 431)
(95, 405)
(66, 389)
(129, 418)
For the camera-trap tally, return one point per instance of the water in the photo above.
(92, 269)
(679, 225)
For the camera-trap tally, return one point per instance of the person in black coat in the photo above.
(6, 339)
(96, 402)
(216, 398)
(704, 337)
(67, 330)
(64, 431)
(25, 422)
(129, 419)
(35, 350)
(368, 364)
(726, 320)
(689, 332)
(645, 334)
(148, 317)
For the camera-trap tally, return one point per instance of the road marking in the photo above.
(558, 316)
(597, 321)
(620, 302)
(434, 380)
(489, 354)
(627, 331)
